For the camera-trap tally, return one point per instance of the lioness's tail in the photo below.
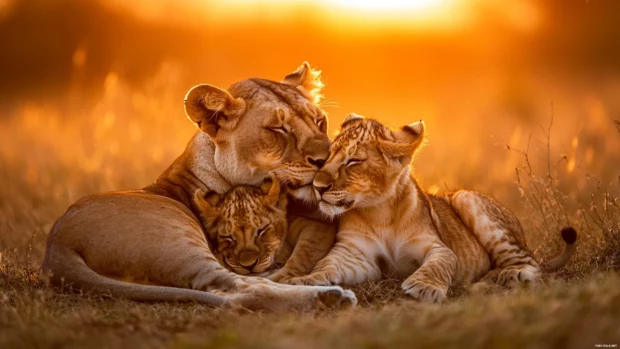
(569, 235)
(68, 268)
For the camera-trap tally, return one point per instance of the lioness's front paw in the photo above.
(319, 279)
(335, 297)
(423, 291)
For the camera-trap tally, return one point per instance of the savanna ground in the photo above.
(50, 161)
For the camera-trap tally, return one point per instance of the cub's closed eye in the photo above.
(279, 129)
(354, 162)
(226, 241)
(262, 231)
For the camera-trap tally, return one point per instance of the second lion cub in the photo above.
(389, 225)
(248, 232)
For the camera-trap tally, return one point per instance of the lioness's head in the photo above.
(261, 126)
(245, 227)
(366, 161)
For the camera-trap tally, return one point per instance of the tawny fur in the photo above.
(389, 225)
(246, 227)
(153, 235)
(248, 232)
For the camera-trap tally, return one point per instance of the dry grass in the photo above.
(561, 314)
(49, 161)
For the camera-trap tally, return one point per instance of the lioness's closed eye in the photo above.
(246, 226)
(105, 243)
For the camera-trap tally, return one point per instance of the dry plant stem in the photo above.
(601, 218)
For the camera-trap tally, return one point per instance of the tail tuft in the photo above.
(569, 235)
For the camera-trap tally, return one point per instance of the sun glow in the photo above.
(403, 14)
(389, 5)
(349, 15)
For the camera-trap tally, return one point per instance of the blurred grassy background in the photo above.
(91, 101)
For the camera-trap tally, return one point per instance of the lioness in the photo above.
(148, 244)
(390, 225)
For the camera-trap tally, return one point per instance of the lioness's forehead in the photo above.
(276, 95)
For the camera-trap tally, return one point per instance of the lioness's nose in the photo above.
(317, 152)
(248, 259)
(318, 162)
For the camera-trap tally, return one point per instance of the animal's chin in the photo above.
(238, 270)
(260, 269)
(234, 268)
(302, 192)
(256, 270)
(331, 210)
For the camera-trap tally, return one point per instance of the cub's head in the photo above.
(367, 159)
(260, 126)
(246, 226)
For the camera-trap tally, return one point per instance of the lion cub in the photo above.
(389, 225)
(246, 227)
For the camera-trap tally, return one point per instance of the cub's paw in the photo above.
(319, 279)
(485, 288)
(515, 276)
(424, 292)
(334, 297)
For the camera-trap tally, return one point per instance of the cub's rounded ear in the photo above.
(407, 140)
(307, 80)
(271, 189)
(212, 108)
(207, 201)
(412, 133)
(351, 117)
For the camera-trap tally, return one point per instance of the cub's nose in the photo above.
(322, 182)
(321, 189)
(248, 259)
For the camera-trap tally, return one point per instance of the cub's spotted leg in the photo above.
(431, 281)
(351, 261)
(500, 233)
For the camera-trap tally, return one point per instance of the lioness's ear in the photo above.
(206, 203)
(407, 140)
(307, 80)
(212, 108)
(271, 189)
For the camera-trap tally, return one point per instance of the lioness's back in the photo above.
(111, 232)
